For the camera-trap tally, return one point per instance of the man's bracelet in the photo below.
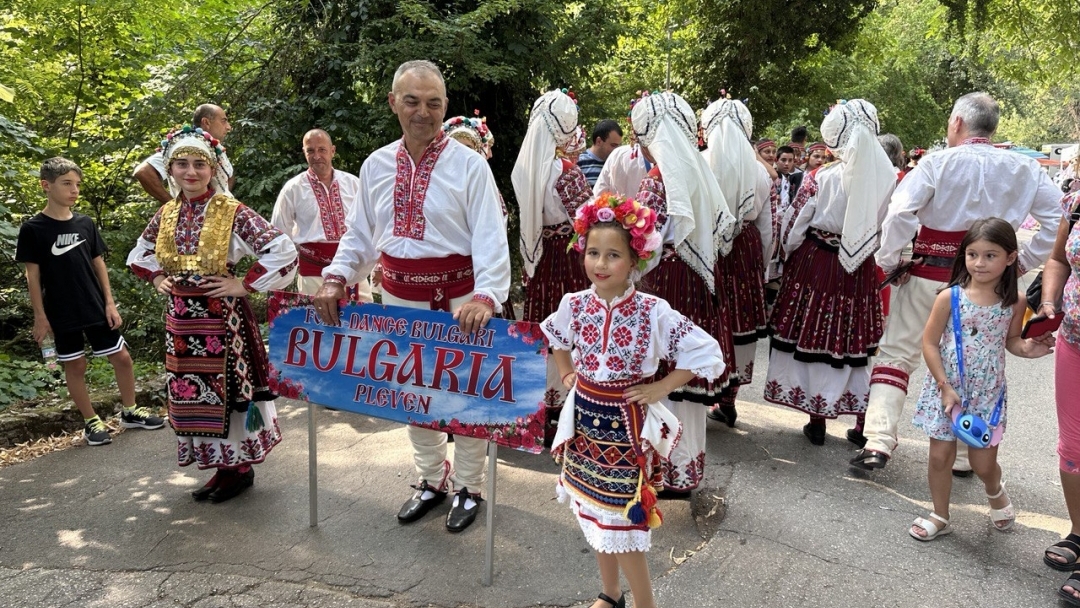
(483, 299)
(335, 278)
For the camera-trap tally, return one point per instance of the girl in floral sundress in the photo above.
(607, 342)
(991, 316)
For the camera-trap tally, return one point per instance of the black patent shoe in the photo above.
(417, 506)
(204, 492)
(460, 516)
(233, 486)
(815, 433)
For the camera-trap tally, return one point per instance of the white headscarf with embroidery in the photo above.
(702, 225)
(552, 123)
(728, 125)
(850, 129)
(195, 142)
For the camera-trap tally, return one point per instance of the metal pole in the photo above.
(489, 554)
(313, 469)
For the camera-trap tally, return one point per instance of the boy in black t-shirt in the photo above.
(69, 291)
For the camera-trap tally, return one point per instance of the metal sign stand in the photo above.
(493, 461)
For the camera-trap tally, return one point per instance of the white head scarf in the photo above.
(552, 123)
(850, 130)
(728, 125)
(195, 142)
(702, 225)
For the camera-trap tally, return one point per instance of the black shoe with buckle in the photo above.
(461, 516)
(417, 506)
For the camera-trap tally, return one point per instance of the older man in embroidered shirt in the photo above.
(945, 193)
(430, 213)
(311, 210)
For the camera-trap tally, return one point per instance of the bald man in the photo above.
(151, 172)
(311, 210)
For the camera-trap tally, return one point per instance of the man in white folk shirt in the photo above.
(430, 214)
(311, 210)
(945, 193)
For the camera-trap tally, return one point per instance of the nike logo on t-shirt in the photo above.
(65, 243)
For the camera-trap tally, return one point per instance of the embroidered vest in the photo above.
(212, 254)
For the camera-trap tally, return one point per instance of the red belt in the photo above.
(936, 244)
(314, 257)
(437, 280)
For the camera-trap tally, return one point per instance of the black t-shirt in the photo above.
(64, 252)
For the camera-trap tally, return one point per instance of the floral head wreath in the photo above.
(474, 129)
(632, 216)
(192, 140)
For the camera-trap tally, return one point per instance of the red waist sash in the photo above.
(314, 257)
(936, 244)
(437, 280)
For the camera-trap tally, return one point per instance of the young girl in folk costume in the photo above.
(695, 224)
(983, 295)
(550, 188)
(216, 367)
(827, 319)
(740, 274)
(608, 342)
(817, 154)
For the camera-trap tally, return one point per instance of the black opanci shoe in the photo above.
(233, 486)
(417, 506)
(462, 516)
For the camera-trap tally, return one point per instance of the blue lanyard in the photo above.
(995, 416)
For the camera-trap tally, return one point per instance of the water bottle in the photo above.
(48, 351)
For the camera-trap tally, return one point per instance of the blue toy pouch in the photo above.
(969, 427)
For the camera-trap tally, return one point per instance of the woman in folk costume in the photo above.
(216, 367)
(827, 320)
(740, 275)
(475, 133)
(695, 224)
(549, 188)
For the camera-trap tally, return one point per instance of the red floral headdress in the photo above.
(635, 218)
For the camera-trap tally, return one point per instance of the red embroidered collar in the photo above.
(410, 188)
(198, 200)
(971, 141)
(331, 210)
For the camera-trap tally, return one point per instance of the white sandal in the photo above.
(1005, 517)
(931, 527)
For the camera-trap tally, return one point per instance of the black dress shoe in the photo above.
(232, 486)
(815, 433)
(417, 506)
(723, 413)
(668, 494)
(204, 492)
(962, 473)
(460, 516)
(856, 437)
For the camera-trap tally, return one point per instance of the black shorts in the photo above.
(103, 341)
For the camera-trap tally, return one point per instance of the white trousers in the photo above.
(429, 447)
(901, 349)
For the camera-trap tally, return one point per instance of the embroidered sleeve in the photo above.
(573, 189)
(689, 346)
(276, 266)
(143, 259)
(558, 327)
(654, 196)
(795, 220)
(253, 229)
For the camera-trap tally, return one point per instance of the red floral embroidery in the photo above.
(622, 336)
(331, 210)
(590, 334)
(410, 189)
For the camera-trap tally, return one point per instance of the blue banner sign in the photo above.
(413, 366)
